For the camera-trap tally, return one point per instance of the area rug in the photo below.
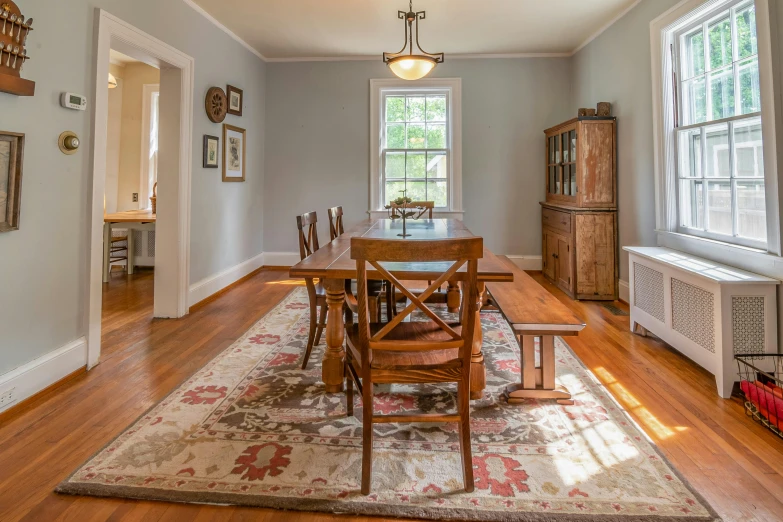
(253, 429)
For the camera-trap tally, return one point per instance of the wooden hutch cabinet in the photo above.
(579, 216)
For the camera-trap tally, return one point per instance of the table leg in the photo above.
(453, 297)
(332, 368)
(478, 377)
(106, 251)
(130, 252)
(537, 382)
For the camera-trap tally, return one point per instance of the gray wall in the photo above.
(44, 265)
(615, 67)
(318, 119)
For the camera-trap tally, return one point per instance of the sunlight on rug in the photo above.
(251, 428)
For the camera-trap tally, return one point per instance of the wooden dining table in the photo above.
(131, 220)
(332, 264)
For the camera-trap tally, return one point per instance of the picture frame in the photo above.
(236, 100)
(11, 163)
(234, 153)
(211, 152)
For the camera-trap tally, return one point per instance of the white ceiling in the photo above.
(117, 58)
(295, 29)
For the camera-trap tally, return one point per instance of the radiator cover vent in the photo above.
(648, 290)
(693, 313)
(747, 324)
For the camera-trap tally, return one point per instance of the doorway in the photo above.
(173, 160)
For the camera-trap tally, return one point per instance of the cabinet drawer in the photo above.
(556, 219)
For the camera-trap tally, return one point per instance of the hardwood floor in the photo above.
(736, 464)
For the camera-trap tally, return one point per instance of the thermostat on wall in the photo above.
(70, 100)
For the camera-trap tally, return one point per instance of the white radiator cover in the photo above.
(706, 310)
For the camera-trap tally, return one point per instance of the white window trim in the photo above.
(454, 86)
(662, 31)
(145, 191)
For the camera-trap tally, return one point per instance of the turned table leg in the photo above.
(332, 368)
(453, 297)
(478, 376)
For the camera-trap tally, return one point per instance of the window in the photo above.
(417, 130)
(149, 149)
(718, 132)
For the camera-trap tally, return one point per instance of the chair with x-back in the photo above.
(413, 351)
(335, 222)
(308, 245)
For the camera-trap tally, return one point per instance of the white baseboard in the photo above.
(281, 258)
(213, 284)
(527, 262)
(42, 372)
(625, 291)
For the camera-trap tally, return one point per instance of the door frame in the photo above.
(172, 274)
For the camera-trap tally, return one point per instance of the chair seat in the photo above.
(410, 331)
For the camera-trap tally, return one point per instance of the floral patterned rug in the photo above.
(251, 428)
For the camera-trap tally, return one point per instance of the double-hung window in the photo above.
(718, 132)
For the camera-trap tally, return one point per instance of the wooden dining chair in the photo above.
(413, 352)
(308, 245)
(335, 222)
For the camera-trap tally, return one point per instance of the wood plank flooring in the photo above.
(736, 464)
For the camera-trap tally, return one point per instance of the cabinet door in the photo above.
(564, 279)
(595, 270)
(596, 168)
(550, 255)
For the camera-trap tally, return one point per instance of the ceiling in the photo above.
(117, 58)
(296, 29)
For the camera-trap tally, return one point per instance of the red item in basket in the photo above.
(768, 400)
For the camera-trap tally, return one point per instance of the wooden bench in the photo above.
(534, 313)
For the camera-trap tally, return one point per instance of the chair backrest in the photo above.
(453, 254)
(308, 234)
(422, 206)
(335, 222)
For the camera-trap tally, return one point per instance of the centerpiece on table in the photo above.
(403, 209)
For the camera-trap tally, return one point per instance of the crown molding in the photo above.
(364, 58)
(225, 29)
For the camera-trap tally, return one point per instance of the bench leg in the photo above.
(537, 382)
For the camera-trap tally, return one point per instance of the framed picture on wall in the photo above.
(211, 144)
(11, 161)
(235, 100)
(233, 153)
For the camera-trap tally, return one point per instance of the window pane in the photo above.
(417, 190)
(416, 108)
(557, 149)
(437, 165)
(722, 91)
(750, 90)
(573, 179)
(717, 157)
(552, 149)
(690, 154)
(416, 165)
(394, 190)
(395, 165)
(395, 108)
(719, 207)
(552, 179)
(437, 191)
(436, 108)
(692, 204)
(746, 32)
(416, 136)
(395, 136)
(567, 180)
(558, 179)
(694, 101)
(720, 43)
(751, 210)
(436, 136)
(566, 147)
(572, 136)
(693, 54)
(748, 149)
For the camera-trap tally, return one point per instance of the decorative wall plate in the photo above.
(216, 104)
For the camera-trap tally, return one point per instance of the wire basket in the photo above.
(761, 382)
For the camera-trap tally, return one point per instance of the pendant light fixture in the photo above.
(407, 65)
(112, 81)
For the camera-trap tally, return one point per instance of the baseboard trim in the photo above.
(214, 284)
(43, 372)
(625, 292)
(527, 262)
(281, 259)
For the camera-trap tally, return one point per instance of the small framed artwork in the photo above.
(233, 153)
(235, 100)
(211, 144)
(11, 161)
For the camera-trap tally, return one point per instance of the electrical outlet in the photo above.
(7, 398)
(135, 197)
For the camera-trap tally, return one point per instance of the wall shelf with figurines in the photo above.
(13, 50)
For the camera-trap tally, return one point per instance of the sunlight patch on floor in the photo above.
(288, 282)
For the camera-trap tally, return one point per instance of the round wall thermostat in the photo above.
(68, 142)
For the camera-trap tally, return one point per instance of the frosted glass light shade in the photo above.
(112, 81)
(411, 67)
